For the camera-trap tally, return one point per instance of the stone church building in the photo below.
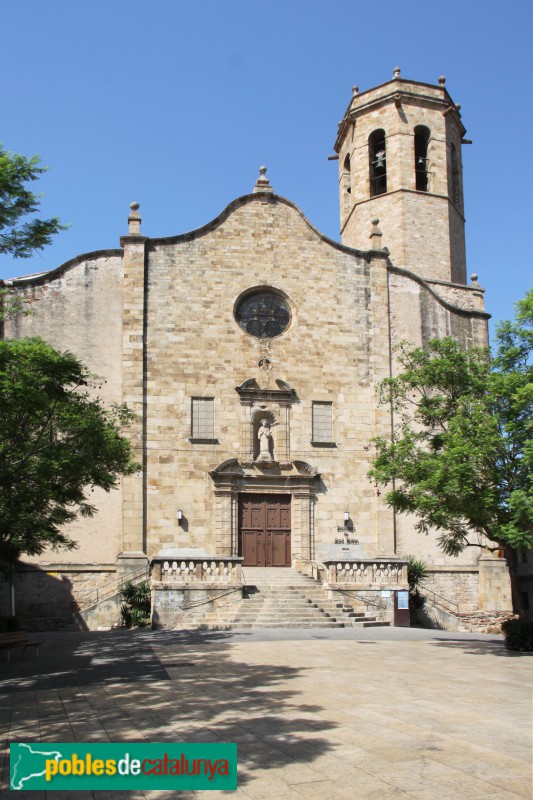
(251, 351)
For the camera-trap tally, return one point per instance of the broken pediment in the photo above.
(229, 467)
(249, 391)
(233, 467)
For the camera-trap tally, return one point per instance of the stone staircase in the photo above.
(277, 597)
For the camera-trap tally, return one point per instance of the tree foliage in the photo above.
(417, 573)
(12, 304)
(136, 608)
(21, 238)
(57, 442)
(461, 458)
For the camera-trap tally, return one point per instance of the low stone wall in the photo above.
(483, 621)
(175, 605)
(431, 616)
(187, 590)
(101, 616)
(379, 603)
(367, 584)
(459, 586)
(48, 599)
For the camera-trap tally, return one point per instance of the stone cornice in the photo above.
(44, 277)
(463, 312)
(398, 88)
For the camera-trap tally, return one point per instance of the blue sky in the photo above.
(175, 104)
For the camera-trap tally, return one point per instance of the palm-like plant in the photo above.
(417, 573)
(135, 610)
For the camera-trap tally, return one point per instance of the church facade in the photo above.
(251, 351)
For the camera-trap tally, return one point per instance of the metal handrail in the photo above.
(208, 600)
(109, 589)
(359, 598)
(354, 597)
(425, 592)
(300, 557)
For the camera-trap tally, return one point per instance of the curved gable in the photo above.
(240, 202)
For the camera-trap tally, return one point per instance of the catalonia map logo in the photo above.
(128, 765)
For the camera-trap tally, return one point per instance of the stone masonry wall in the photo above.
(185, 607)
(49, 599)
(78, 307)
(457, 588)
(197, 349)
(419, 312)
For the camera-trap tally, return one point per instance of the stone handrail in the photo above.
(365, 572)
(198, 569)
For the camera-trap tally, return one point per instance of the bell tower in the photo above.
(399, 152)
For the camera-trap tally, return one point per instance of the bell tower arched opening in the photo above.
(377, 152)
(400, 138)
(422, 136)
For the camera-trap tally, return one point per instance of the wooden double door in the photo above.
(265, 530)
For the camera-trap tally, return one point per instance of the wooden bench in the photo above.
(17, 639)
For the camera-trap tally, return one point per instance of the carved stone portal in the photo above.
(232, 479)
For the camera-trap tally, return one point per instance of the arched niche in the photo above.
(272, 420)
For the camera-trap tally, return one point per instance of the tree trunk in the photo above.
(518, 603)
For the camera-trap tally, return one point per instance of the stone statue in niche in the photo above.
(264, 434)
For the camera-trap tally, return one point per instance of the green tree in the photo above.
(57, 442)
(461, 457)
(17, 238)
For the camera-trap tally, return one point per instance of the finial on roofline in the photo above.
(262, 184)
(134, 220)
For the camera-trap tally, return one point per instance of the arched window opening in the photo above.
(422, 135)
(378, 162)
(456, 193)
(346, 188)
(347, 174)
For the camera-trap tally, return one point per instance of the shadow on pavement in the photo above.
(80, 659)
(477, 647)
(175, 686)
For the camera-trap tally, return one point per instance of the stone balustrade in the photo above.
(364, 572)
(203, 569)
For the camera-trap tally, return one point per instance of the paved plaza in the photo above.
(376, 714)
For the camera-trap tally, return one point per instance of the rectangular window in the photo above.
(322, 423)
(202, 418)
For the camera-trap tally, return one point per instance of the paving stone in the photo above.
(313, 717)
